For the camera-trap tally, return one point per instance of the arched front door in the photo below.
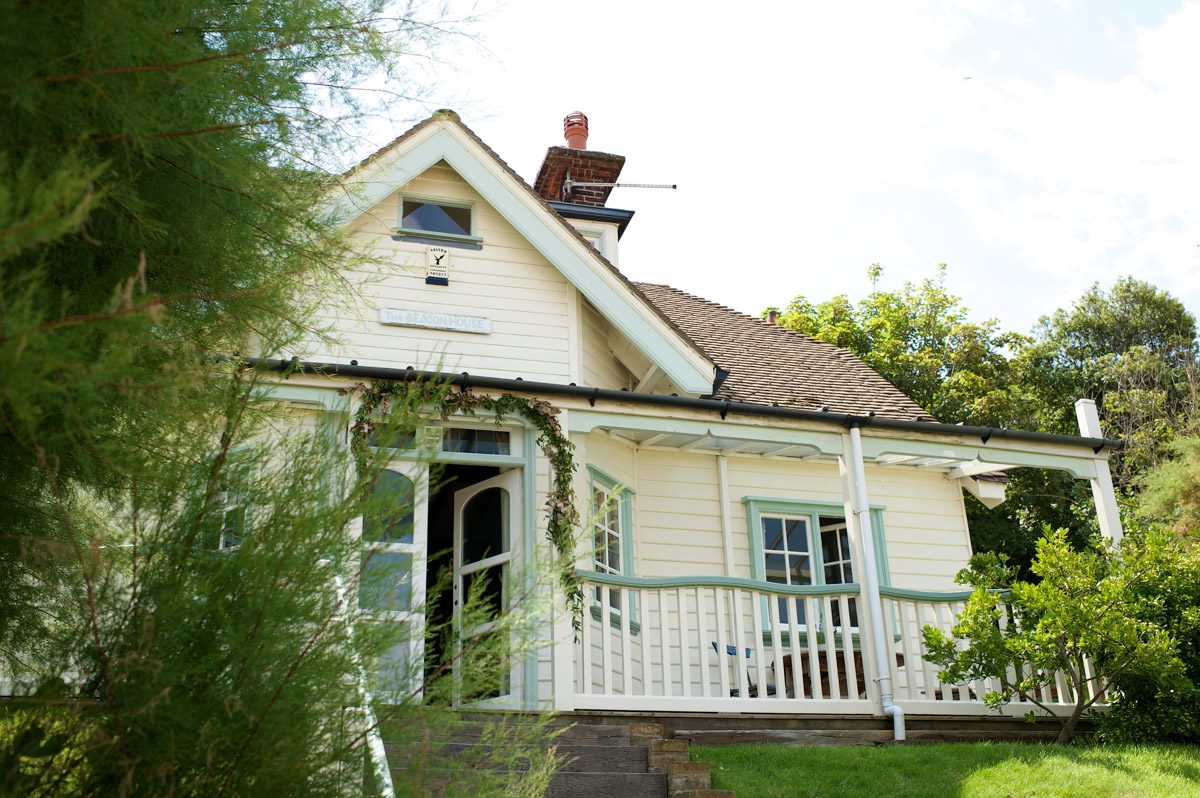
(487, 520)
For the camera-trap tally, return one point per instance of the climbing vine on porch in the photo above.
(560, 503)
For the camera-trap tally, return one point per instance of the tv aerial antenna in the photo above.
(570, 185)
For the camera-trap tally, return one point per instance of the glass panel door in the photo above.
(392, 570)
(487, 516)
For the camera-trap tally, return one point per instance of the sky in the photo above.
(1035, 147)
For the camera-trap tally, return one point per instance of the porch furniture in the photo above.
(753, 688)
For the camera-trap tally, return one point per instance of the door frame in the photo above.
(429, 451)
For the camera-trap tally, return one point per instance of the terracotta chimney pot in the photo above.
(575, 128)
(773, 316)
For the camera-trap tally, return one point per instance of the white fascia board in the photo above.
(975, 468)
(1080, 463)
(577, 261)
(990, 494)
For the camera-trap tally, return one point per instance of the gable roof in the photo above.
(770, 365)
(443, 137)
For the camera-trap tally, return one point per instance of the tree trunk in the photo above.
(1068, 729)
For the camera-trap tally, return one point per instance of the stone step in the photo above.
(689, 776)
(608, 785)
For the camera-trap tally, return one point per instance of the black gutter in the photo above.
(593, 395)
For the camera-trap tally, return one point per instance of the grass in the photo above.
(966, 770)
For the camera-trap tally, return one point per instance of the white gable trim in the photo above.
(444, 140)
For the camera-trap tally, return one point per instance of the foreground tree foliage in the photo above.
(168, 557)
(1145, 709)
(1091, 617)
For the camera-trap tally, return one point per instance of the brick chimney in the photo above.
(581, 164)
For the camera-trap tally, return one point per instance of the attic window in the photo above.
(426, 217)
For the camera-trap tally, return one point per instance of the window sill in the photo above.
(444, 239)
(785, 639)
(614, 620)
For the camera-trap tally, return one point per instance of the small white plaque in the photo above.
(437, 265)
(399, 317)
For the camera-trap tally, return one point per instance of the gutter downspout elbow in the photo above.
(897, 713)
(862, 511)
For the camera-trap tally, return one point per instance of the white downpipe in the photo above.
(862, 511)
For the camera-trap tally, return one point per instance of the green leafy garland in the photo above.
(560, 503)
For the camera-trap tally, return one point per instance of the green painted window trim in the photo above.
(614, 620)
(758, 506)
(624, 495)
(735, 582)
(785, 640)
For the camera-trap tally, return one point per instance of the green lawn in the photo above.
(969, 770)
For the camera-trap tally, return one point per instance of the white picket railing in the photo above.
(915, 682)
(722, 644)
(719, 644)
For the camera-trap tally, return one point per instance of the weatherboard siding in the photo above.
(506, 281)
(601, 369)
(677, 518)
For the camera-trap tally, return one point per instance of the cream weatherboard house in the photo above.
(778, 521)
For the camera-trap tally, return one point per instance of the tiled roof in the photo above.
(769, 365)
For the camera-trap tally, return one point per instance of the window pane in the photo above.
(436, 218)
(484, 525)
(390, 516)
(829, 547)
(776, 567)
(386, 582)
(772, 529)
(797, 536)
(791, 612)
(475, 441)
(801, 570)
(490, 584)
(836, 610)
(614, 553)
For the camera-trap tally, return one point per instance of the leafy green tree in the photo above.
(1133, 350)
(921, 340)
(1087, 607)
